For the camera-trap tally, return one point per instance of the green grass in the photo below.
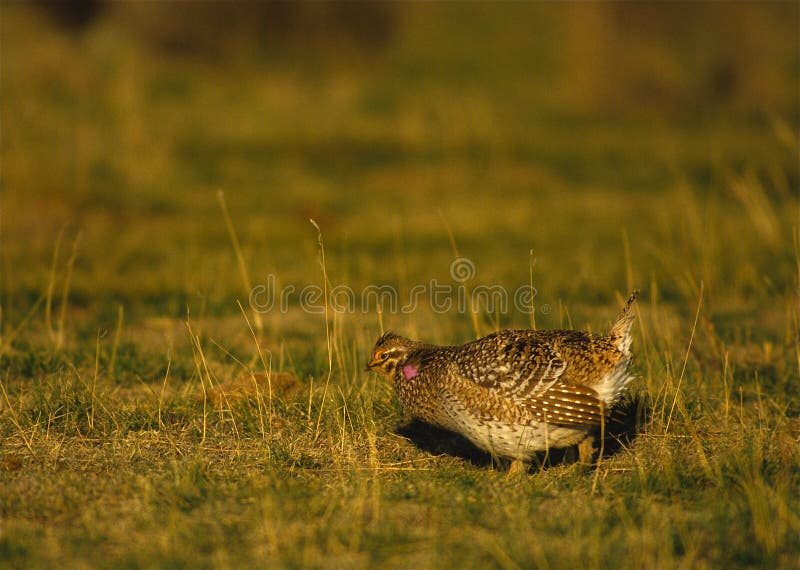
(616, 157)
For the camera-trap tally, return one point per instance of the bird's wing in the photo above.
(531, 373)
(518, 368)
(566, 403)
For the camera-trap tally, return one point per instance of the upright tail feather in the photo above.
(621, 330)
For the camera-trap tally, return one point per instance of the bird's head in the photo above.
(390, 352)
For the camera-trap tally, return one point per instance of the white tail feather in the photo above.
(621, 330)
(611, 387)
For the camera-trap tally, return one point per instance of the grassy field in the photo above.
(591, 148)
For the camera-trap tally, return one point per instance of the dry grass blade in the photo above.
(328, 339)
(685, 360)
(65, 291)
(15, 421)
(239, 256)
(51, 284)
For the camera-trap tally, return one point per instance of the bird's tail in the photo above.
(621, 330)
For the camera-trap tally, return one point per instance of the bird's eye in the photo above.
(384, 356)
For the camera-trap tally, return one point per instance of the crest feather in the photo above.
(385, 337)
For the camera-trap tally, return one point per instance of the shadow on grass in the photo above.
(440, 441)
(621, 432)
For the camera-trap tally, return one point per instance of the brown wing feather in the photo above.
(515, 367)
(568, 404)
(530, 373)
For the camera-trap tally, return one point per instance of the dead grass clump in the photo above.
(255, 384)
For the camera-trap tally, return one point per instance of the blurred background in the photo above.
(647, 144)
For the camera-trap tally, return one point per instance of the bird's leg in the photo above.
(586, 450)
(517, 467)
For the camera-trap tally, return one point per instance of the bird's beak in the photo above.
(373, 362)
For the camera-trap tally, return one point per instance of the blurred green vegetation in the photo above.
(627, 144)
(569, 123)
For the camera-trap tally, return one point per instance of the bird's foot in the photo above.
(586, 451)
(517, 468)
